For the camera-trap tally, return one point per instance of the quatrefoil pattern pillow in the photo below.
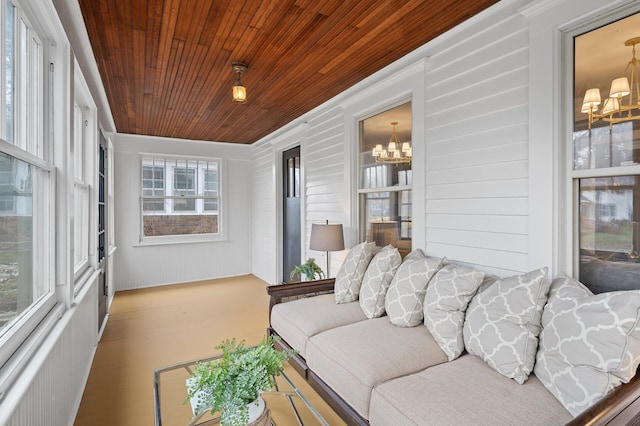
(502, 323)
(445, 303)
(349, 277)
(405, 297)
(589, 343)
(377, 278)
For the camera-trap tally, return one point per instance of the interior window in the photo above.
(606, 155)
(386, 178)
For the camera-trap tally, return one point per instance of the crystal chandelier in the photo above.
(614, 109)
(395, 152)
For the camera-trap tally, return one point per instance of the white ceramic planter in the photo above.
(256, 408)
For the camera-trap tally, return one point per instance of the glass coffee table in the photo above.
(287, 403)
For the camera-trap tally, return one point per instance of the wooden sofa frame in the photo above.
(619, 407)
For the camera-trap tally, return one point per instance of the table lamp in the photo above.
(326, 237)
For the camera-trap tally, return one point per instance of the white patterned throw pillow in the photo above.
(445, 303)
(405, 297)
(502, 323)
(377, 278)
(589, 344)
(349, 277)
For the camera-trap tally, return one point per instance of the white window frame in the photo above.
(84, 147)
(28, 144)
(569, 222)
(362, 190)
(199, 198)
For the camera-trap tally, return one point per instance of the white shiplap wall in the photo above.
(323, 155)
(263, 214)
(477, 146)
(141, 266)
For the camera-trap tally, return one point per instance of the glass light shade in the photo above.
(611, 105)
(239, 94)
(406, 147)
(392, 147)
(619, 87)
(591, 98)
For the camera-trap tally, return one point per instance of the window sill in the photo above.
(161, 241)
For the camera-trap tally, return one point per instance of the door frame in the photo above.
(290, 140)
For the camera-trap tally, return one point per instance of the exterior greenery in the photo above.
(228, 384)
(310, 268)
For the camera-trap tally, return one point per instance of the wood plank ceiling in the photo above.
(166, 64)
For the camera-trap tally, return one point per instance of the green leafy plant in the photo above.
(310, 268)
(227, 385)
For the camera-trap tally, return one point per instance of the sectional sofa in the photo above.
(426, 341)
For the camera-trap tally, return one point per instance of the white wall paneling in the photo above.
(264, 229)
(323, 155)
(149, 265)
(65, 357)
(476, 173)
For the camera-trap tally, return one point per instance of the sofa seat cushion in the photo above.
(355, 358)
(464, 391)
(300, 319)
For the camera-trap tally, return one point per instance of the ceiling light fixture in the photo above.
(239, 91)
(613, 110)
(396, 152)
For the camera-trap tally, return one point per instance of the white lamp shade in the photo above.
(396, 154)
(585, 108)
(406, 147)
(384, 153)
(326, 237)
(239, 94)
(619, 87)
(392, 147)
(611, 105)
(591, 98)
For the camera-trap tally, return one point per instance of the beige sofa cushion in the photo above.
(355, 358)
(300, 319)
(502, 323)
(377, 278)
(405, 297)
(463, 392)
(445, 303)
(349, 277)
(589, 343)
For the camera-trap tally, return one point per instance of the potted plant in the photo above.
(231, 385)
(308, 270)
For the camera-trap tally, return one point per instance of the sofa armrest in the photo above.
(619, 407)
(283, 292)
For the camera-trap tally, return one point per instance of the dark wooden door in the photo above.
(102, 220)
(290, 211)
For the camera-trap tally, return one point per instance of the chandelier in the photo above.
(614, 109)
(395, 152)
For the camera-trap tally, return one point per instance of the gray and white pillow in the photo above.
(349, 277)
(377, 278)
(502, 323)
(589, 344)
(445, 303)
(405, 297)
